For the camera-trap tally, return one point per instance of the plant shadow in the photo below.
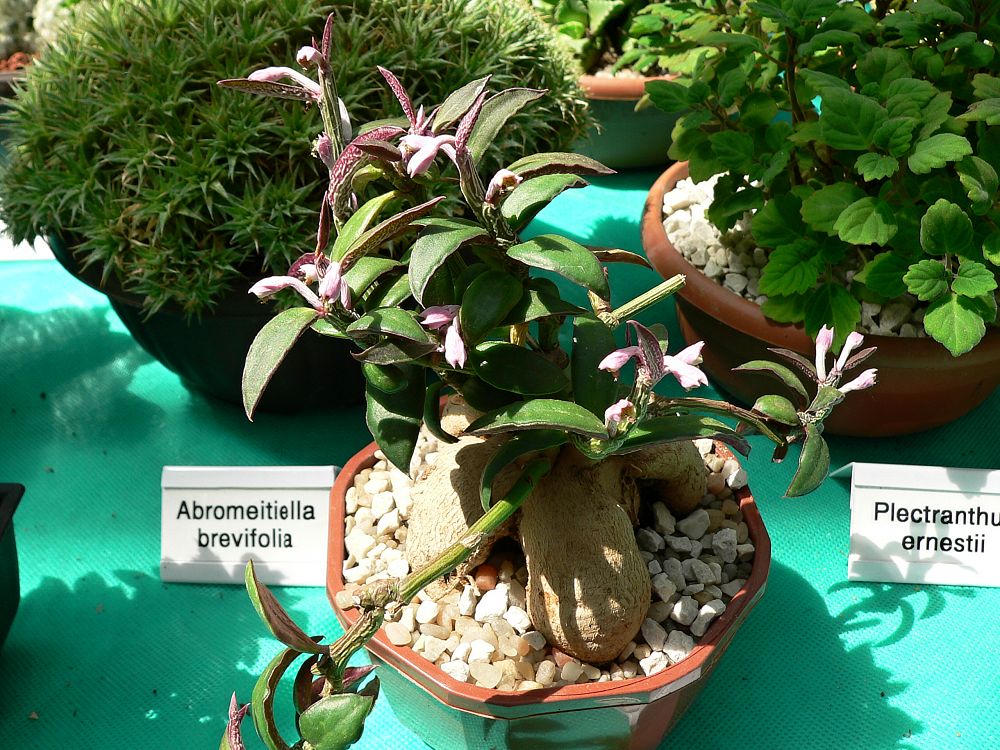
(789, 678)
(126, 660)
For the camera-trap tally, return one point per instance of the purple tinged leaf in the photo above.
(401, 95)
(276, 618)
(468, 122)
(558, 162)
(302, 690)
(233, 738)
(858, 358)
(614, 255)
(381, 150)
(327, 36)
(354, 675)
(268, 351)
(650, 355)
(796, 359)
(323, 230)
(457, 104)
(350, 160)
(385, 231)
(267, 88)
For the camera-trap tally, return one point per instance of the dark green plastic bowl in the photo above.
(10, 585)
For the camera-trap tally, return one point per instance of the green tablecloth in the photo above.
(104, 655)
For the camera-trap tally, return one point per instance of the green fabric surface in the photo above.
(104, 655)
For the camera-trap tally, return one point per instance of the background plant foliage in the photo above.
(122, 142)
(887, 163)
(595, 30)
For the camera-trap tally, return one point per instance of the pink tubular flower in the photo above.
(419, 151)
(446, 316)
(615, 361)
(865, 380)
(853, 341)
(824, 340)
(503, 181)
(683, 366)
(278, 74)
(307, 57)
(332, 286)
(273, 284)
(616, 413)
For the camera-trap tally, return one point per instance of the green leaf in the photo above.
(387, 378)
(987, 110)
(937, 151)
(531, 196)
(359, 223)
(262, 699)
(849, 120)
(884, 273)
(945, 228)
(432, 412)
(668, 95)
(522, 444)
(873, 166)
(956, 322)
(980, 181)
(514, 368)
(778, 408)
(832, 38)
(540, 301)
(757, 109)
(832, 305)
(268, 351)
(785, 308)
(395, 352)
(868, 221)
(733, 149)
(486, 303)
(496, 112)
(778, 222)
(985, 86)
(275, 617)
(593, 389)
(927, 280)
(973, 279)
(896, 135)
(791, 269)
(371, 239)
(390, 321)
(335, 722)
(882, 66)
(540, 413)
(458, 102)
(778, 371)
(557, 162)
(565, 257)
(436, 243)
(814, 463)
(366, 271)
(682, 427)
(394, 418)
(991, 248)
(822, 209)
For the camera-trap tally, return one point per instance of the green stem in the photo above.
(463, 548)
(659, 292)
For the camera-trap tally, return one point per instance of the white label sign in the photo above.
(924, 524)
(216, 518)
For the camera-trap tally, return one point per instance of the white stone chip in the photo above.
(679, 645)
(428, 611)
(467, 600)
(480, 651)
(694, 525)
(664, 587)
(663, 520)
(724, 544)
(493, 603)
(518, 619)
(655, 662)
(685, 610)
(705, 616)
(649, 540)
(654, 634)
(458, 670)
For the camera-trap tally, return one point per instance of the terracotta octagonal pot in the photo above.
(624, 138)
(627, 715)
(920, 385)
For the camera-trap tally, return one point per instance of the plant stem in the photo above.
(460, 551)
(659, 292)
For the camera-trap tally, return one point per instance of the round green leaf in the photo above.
(336, 721)
(973, 279)
(955, 322)
(937, 151)
(945, 228)
(517, 369)
(777, 408)
(927, 280)
(868, 221)
(822, 209)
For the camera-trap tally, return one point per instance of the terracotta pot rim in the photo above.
(602, 88)
(466, 697)
(746, 316)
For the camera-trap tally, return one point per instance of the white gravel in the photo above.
(697, 564)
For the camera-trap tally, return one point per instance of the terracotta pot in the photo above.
(208, 352)
(632, 714)
(920, 385)
(624, 138)
(10, 585)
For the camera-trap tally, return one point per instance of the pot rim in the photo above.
(507, 704)
(614, 89)
(746, 317)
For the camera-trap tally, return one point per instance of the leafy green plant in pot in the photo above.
(435, 303)
(153, 180)
(628, 133)
(863, 139)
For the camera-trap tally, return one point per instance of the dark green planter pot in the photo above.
(624, 138)
(10, 583)
(208, 353)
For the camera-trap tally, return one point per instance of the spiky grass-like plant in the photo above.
(122, 142)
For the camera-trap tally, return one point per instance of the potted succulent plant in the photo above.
(536, 433)
(10, 586)
(861, 138)
(151, 182)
